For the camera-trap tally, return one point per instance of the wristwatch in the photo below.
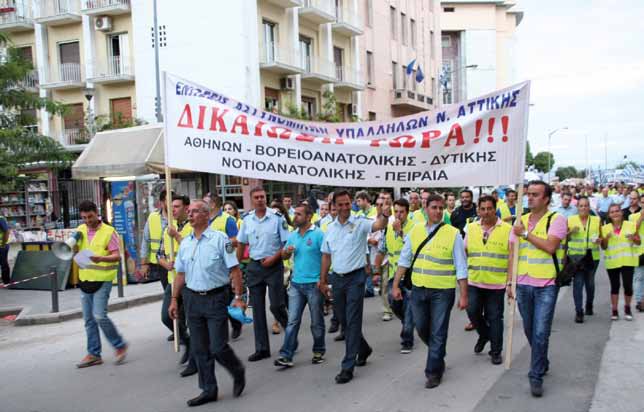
(525, 234)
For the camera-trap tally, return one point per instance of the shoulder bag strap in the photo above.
(424, 242)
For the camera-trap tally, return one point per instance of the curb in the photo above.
(25, 319)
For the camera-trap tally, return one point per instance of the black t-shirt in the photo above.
(461, 217)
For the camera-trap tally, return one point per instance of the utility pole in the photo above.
(157, 102)
(605, 153)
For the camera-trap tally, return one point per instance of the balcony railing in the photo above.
(318, 11)
(347, 21)
(279, 58)
(15, 15)
(49, 8)
(317, 67)
(349, 77)
(115, 68)
(105, 6)
(72, 137)
(66, 75)
(31, 80)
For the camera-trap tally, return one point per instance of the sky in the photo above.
(585, 59)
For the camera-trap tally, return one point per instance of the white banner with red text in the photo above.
(480, 142)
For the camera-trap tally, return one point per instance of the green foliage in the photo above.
(19, 144)
(569, 172)
(543, 161)
(294, 113)
(329, 112)
(529, 159)
(622, 165)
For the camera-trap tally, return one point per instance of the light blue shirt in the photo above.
(307, 257)
(567, 211)
(603, 203)
(347, 243)
(458, 254)
(265, 236)
(207, 261)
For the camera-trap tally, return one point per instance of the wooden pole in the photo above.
(168, 202)
(513, 268)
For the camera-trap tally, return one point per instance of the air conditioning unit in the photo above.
(103, 23)
(354, 110)
(287, 83)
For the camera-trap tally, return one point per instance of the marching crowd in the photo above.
(422, 253)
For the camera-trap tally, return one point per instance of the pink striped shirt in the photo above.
(114, 241)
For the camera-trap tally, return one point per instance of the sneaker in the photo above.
(406, 349)
(387, 317)
(579, 317)
(89, 360)
(282, 362)
(614, 316)
(589, 310)
(627, 313)
(536, 389)
(317, 358)
(639, 307)
(121, 353)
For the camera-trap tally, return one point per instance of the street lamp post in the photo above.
(89, 94)
(550, 153)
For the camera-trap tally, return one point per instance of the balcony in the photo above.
(75, 140)
(114, 70)
(411, 101)
(59, 12)
(318, 11)
(280, 60)
(15, 16)
(105, 7)
(318, 71)
(65, 76)
(348, 78)
(31, 82)
(286, 3)
(347, 22)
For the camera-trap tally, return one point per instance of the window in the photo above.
(403, 28)
(370, 68)
(392, 22)
(308, 106)
(404, 77)
(121, 111)
(372, 116)
(369, 13)
(394, 74)
(271, 99)
(270, 40)
(69, 58)
(337, 59)
(118, 54)
(413, 80)
(306, 50)
(412, 32)
(25, 53)
(448, 9)
(446, 41)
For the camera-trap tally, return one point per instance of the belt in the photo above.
(208, 292)
(349, 273)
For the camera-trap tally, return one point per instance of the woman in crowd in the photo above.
(230, 207)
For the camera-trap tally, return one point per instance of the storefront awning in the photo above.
(133, 151)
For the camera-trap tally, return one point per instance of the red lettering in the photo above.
(242, 122)
(258, 128)
(339, 141)
(218, 120)
(186, 118)
(274, 131)
(376, 142)
(305, 138)
(202, 114)
(455, 133)
(407, 141)
(428, 136)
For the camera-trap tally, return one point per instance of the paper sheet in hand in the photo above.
(82, 258)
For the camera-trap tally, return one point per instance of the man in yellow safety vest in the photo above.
(151, 243)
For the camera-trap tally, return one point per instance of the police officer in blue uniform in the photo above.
(266, 233)
(345, 244)
(205, 264)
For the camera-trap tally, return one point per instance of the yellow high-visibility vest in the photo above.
(620, 251)
(633, 219)
(185, 231)
(434, 268)
(487, 262)
(503, 209)
(156, 231)
(219, 223)
(394, 244)
(577, 243)
(101, 271)
(534, 261)
(2, 232)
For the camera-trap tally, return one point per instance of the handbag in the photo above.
(89, 287)
(406, 281)
(572, 264)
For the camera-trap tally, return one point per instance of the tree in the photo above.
(20, 145)
(623, 165)
(529, 159)
(543, 161)
(568, 172)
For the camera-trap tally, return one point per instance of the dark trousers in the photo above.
(348, 297)
(4, 264)
(431, 308)
(335, 317)
(627, 280)
(158, 272)
(584, 279)
(259, 279)
(485, 310)
(207, 319)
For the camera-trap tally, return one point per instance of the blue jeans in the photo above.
(368, 288)
(95, 314)
(431, 308)
(485, 310)
(299, 294)
(348, 296)
(403, 311)
(638, 284)
(585, 278)
(537, 308)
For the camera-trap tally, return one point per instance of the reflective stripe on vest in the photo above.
(620, 251)
(394, 244)
(155, 226)
(102, 271)
(534, 261)
(577, 242)
(487, 263)
(434, 267)
(185, 231)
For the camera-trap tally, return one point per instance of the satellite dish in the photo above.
(65, 250)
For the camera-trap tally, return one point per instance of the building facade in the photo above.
(478, 42)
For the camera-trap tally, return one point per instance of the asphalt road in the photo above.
(38, 372)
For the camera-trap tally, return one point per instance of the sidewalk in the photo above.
(620, 384)
(35, 305)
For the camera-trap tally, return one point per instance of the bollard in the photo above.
(119, 282)
(54, 289)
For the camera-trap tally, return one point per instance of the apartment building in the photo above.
(402, 57)
(478, 42)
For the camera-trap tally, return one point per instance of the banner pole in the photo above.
(168, 202)
(513, 268)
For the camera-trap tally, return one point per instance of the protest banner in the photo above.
(480, 142)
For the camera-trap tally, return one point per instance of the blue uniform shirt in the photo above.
(603, 203)
(458, 254)
(206, 261)
(265, 236)
(307, 257)
(347, 243)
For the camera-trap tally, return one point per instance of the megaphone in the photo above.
(65, 250)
